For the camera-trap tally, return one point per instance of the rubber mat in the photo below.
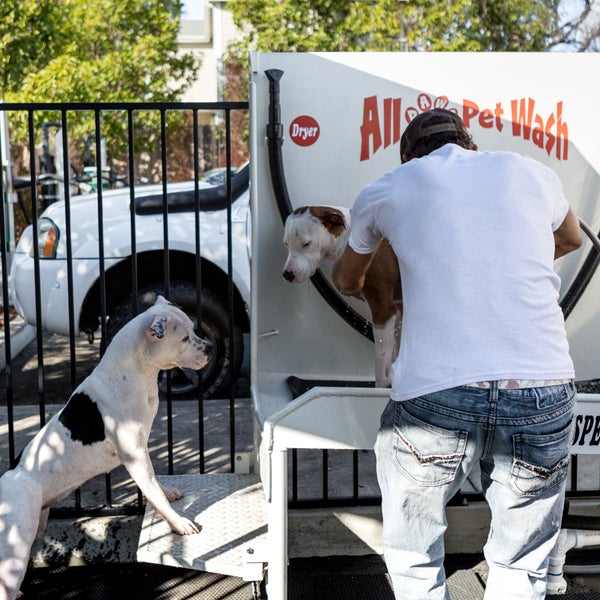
(365, 577)
(333, 578)
(131, 582)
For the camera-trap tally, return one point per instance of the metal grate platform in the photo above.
(231, 510)
(329, 578)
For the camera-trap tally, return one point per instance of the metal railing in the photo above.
(312, 471)
(27, 192)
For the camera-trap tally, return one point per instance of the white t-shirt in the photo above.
(473, 233)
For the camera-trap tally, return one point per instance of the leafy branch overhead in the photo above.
(84, 51)
(430, 25)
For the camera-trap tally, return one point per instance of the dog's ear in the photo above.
(161, 300)
(332, 219)
(158, 326)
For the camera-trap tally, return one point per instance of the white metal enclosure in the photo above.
(342, 115)
(337, 119)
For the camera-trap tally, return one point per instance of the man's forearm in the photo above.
(349, 271)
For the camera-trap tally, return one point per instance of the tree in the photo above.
(462, 25)
(30, 34)
(392, 25)
(579, 29)
(92, 51)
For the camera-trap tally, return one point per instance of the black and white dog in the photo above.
(105, 423)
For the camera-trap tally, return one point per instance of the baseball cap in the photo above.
(429, 123)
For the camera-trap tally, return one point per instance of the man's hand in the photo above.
(568, 236)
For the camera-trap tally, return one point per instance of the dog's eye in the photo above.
(186, 339)
(306, 244)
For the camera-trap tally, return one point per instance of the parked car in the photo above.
(51, 239)
(217, 176)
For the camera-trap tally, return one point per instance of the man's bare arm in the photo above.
(568, 236)
(349, 271)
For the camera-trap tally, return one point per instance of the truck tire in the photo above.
(217, 376)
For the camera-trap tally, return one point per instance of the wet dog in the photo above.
(105, 423)
(314, 234)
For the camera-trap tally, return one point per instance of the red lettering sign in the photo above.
(370, 130)
(304, 130)
(381, 125)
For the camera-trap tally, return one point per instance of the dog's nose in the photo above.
(288, 275)
(203, 345)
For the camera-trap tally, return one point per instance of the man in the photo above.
(483, 376)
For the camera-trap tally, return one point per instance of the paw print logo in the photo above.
(426, 102)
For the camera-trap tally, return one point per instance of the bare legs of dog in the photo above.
(387, 341)
(19, 524)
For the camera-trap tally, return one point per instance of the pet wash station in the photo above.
(311, 351)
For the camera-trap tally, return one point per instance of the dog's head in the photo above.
(170, 333)
(311, 235)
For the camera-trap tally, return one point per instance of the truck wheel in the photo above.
(222, 368)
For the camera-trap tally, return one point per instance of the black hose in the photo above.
(275, 142)
(583, 278)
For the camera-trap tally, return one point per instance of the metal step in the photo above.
(231, 510)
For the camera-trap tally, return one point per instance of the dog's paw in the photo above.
(172, 494)
(184, 526)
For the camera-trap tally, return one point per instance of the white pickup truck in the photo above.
(51, 240)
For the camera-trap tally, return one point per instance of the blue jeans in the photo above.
(426, 448)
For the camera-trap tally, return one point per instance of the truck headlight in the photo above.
(47, 239)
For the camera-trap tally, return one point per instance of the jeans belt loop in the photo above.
(494, 391)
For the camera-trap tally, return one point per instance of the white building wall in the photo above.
(209, 39)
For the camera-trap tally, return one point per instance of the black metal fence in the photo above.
(204, 422)
(148, 143)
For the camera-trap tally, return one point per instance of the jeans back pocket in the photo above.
(427, 454)
(540, 461)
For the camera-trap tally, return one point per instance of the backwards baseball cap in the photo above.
(431, 123)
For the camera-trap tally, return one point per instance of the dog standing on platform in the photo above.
(105, 423)
(313, 234)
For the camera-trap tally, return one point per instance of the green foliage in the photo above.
(488, 25)
(414, 25)
(316, 25)
(92, 51)
(30, 35)
(392, 25)
(389, 25)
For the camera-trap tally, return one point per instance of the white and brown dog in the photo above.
(105, 423)
(314, 234)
